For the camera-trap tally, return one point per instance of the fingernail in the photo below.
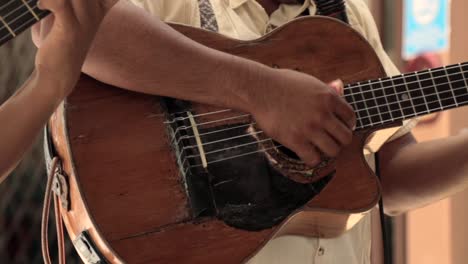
(39, 5)
(338, 83)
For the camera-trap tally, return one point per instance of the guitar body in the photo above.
(145, 177)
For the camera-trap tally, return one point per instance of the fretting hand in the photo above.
(65, 36)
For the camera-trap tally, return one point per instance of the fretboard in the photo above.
(17, 16)
(387, 100)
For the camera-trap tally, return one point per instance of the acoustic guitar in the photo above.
(146, 179)
(159, 180)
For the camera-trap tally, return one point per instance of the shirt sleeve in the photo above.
(361, 19)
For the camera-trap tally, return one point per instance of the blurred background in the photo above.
(435, 234)
(421, 34)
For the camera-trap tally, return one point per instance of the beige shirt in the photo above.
(246, 20)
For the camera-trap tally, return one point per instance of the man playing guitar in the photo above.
(146, 56)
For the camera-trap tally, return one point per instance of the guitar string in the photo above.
(237, 146)
(352, 95)
(235, 157)
(375, 107)
(233, 147)
(213, 132)
(211, 122)
(204, 114)
(182, 151)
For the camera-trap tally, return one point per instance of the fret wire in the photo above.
(372, 104)
(355, 110)
(450, 83)
(365, 103)
(409, 93)
(375, 100)
(385, 97)
(30, 10)
(422, 92)
(462, 74)
(7, 27)
(24, 13)
(435, 89)
(397, 99)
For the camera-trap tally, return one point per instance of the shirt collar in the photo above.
(237, 3)
(286, 13)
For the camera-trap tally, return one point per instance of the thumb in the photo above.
(337, 86)
(61, 9)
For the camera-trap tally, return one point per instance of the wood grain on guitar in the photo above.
(140, 187)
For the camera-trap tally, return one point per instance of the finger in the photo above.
(340, 131)
(307, 153)
(337, 86)
(62, 9)
(325, 143)
(46, 26)
(36, 34)
(51, 5)
(345, 113)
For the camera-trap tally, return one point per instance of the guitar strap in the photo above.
(208, 19)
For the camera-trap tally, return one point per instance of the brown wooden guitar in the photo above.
(158, 180)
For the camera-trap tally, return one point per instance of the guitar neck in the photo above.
(17, 16)
(387, 100)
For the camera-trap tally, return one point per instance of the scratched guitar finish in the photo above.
(158, 180)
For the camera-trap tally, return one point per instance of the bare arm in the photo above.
(414, 175)
(58, 65)
(136, 51)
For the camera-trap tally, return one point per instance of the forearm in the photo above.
(418, 174)
(145, 55)
(24, 116)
